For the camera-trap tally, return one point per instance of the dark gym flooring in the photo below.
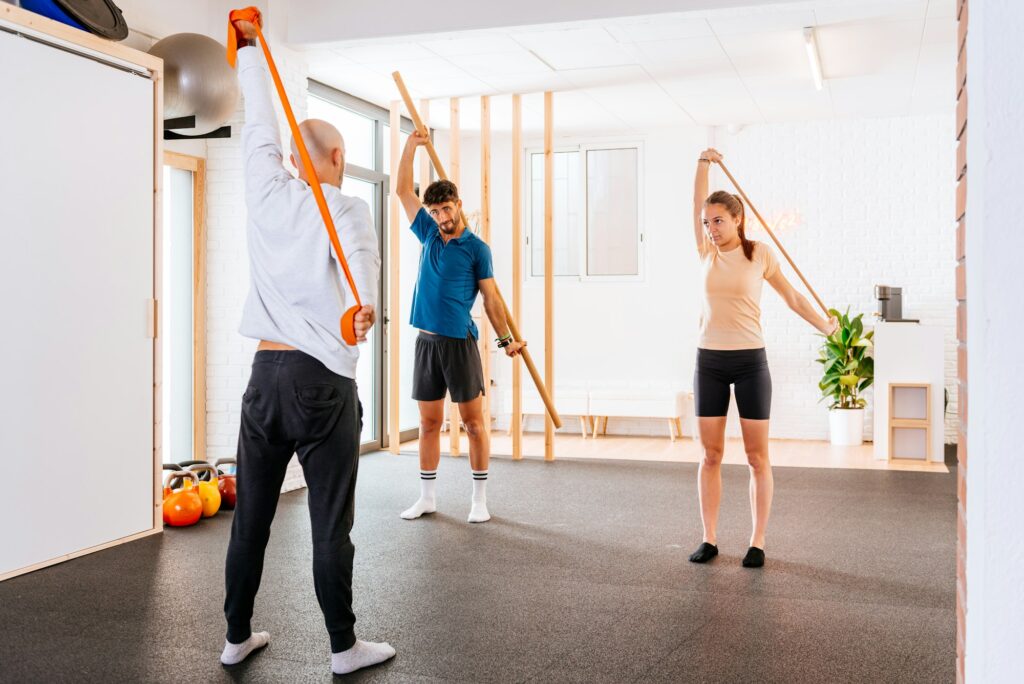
(581, 576)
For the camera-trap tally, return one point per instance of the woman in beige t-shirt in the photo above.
(730, 352)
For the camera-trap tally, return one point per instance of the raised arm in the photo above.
(261, 139)
(404, 184)
(700, 194)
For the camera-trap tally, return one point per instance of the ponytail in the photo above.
(748, 246)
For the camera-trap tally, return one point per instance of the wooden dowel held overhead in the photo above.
(778, 244)
(545, 396)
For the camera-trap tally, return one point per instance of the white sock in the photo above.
(236, 653)
(478, 513)
(362, 654)
(427, 502)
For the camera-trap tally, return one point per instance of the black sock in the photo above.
(704, 553)
(754, 558)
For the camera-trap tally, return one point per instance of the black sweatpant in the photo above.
(295, 405)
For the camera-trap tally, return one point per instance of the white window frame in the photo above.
(582, 148)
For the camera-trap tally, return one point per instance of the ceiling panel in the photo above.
(866, 49)
(690, 57)
(477, 44)
(741, 65)
(576, 48)
(385, 52)
(500, 64)
(781, 53)
(760, 20)
(659, 28)
(887, 95)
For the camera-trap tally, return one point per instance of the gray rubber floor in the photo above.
(581, 576)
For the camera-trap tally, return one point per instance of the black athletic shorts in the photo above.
(447, 364)
(747, 369)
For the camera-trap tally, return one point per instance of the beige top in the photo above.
(731, 312)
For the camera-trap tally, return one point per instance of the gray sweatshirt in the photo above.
(298, 291)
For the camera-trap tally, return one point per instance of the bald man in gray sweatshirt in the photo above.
(301, 397)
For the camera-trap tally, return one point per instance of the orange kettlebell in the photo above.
(226, 482)
(182, 507)
(208, 492)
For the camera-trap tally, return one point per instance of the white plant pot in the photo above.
(846, 426)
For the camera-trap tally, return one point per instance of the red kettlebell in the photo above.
(182, 507)
(226, 482)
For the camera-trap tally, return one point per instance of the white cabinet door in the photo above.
(76, 270)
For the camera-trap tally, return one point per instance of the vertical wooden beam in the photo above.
(549, 280)
(517, 270)
(454, 168)
(394, 324)
(199, 310)
(485, 235)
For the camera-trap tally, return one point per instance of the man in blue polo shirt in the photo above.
(454, 265)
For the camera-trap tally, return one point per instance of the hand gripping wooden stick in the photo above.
(513, 328)
(776, 240)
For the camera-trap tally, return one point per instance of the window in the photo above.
(356, 129)
(596, 215)
(364, 126)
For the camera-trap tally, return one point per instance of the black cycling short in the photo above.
(747, 369)
(447, 364)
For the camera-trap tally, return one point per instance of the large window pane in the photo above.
(366, 368)
(177, 303)
(386, 135)
(566, 217)
(356, 129)
(612, 212)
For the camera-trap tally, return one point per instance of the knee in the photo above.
(429, 426)
(758, 461)
(474, 427)
(712, 457)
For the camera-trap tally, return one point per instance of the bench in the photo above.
(671, 406)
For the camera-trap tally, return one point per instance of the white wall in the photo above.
(995, 476)
(229, 355)
(874, 206)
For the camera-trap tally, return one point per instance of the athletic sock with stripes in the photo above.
(427, 502)
(478, 513)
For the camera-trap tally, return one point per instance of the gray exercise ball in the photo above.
(198, 81)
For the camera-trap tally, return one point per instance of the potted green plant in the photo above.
(848, 371)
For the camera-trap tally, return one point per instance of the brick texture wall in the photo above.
(961, 336)
(863, 202)
(228, 354)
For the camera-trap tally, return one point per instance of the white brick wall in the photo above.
(875, 202)
(229, 355)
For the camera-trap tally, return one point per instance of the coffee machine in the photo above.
(890, 304)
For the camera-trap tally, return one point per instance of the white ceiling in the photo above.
(731, 66)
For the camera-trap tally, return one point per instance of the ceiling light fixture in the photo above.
(811, 41)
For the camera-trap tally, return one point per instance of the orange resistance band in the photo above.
(252, 14)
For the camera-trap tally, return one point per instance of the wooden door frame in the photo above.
(196, 165)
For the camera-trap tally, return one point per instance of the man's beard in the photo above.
(448, 227)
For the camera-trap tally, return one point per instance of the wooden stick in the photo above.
(394, 292)
(517, 270)
(454, 419)
(778, 244)
(549, 266)
(485, 234)
(513, 328)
